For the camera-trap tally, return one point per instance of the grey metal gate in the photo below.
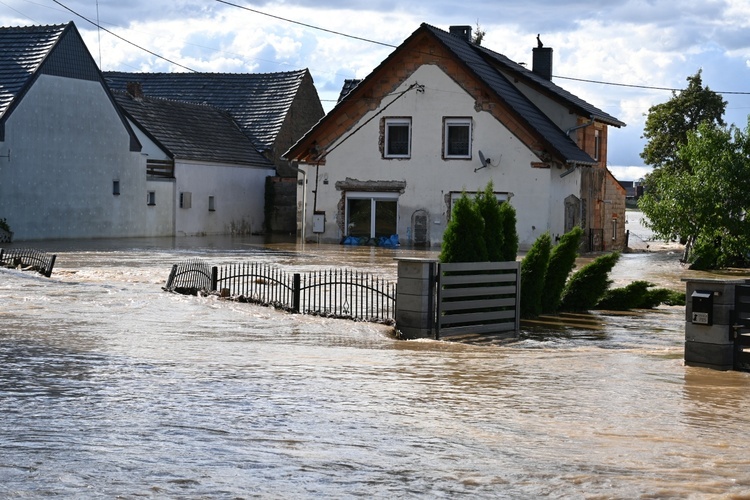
(478, 298)
(741, 327)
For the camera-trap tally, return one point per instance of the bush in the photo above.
(463, 240)
(533, 273)
(489, 209)
(510, 236)
(561, 263)
(589, 284)
(639, 295)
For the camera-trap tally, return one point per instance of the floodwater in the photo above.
(112, 388)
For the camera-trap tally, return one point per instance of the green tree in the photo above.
(463, 240)
(668, 124)
(706, 204)
(561, 263)
(490, 211)
(533, 273)
(510, 235)
(588, 285)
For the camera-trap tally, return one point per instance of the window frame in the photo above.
(396, 121)
(151, 198)
(453, 121)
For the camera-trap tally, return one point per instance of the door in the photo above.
(372, 215)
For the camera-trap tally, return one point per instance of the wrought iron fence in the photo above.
(28, 258)
(340, 293)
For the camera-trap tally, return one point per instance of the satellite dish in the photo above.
(485, 161)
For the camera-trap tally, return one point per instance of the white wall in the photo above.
(239, 197)
(430, 179)
(68, 145)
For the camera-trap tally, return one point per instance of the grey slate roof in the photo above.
(258, 102)
(348, 87)
(192, 131)
(22, 51)
(476, 61)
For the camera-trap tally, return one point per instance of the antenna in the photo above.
(486, 162)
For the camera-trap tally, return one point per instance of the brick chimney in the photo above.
(135, 90)
(461, 32)
(542, 60)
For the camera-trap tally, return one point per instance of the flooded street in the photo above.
(110, 387)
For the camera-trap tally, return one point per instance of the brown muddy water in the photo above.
(112, 388)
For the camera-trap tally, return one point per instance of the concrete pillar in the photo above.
(415, 293)
(710, 345)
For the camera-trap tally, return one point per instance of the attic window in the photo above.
(397, 138)
(457, 138)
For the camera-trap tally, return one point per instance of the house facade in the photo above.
(204, 176)
(64, 144)
(272, 109)
(78, 160)
(441, 116)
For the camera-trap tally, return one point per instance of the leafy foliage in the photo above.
(490, 211)
(584, 289)
(4, 225)
(668, 124)
(533, 273)
(706, 206)
(463, 240)
(639, 295)
(510, 235)
(561, 262)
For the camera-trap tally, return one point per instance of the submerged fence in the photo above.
(28, 258)
(340, 293)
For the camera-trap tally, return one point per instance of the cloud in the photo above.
(633, 42)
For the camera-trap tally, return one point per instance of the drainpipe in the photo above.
(583, 125)
(304, 197)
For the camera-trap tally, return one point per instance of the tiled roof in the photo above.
(22, 51)
(476, 61)
(258, 102)
(192, 131)
(586, 109)
(348, 87)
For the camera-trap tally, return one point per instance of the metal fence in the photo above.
(28, 258)
(340, 293)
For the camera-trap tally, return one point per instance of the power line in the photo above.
(307, 25)
(123, 39)
(648, 87)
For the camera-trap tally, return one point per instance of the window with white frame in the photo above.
(457, 137)
(397, 138)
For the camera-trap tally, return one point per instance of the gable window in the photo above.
(397, 138)
(457, 137)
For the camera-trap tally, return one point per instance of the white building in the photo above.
(440, 116)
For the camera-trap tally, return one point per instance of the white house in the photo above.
(75, 162)
(64, 144)
(204, 174)
(440, 116)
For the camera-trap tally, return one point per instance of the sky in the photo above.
(629, 44)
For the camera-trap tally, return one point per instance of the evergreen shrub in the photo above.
(561, 263)
(589, 284)
(533, 272)
(463, 240)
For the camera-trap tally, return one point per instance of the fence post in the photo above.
(50, 265)
(171, 276)
(214, 278)
(296, 289)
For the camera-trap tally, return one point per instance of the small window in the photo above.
(186, 199)
(457, 138)
(397, 138)
(211, 204)
(116, 188)
(151, 198)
